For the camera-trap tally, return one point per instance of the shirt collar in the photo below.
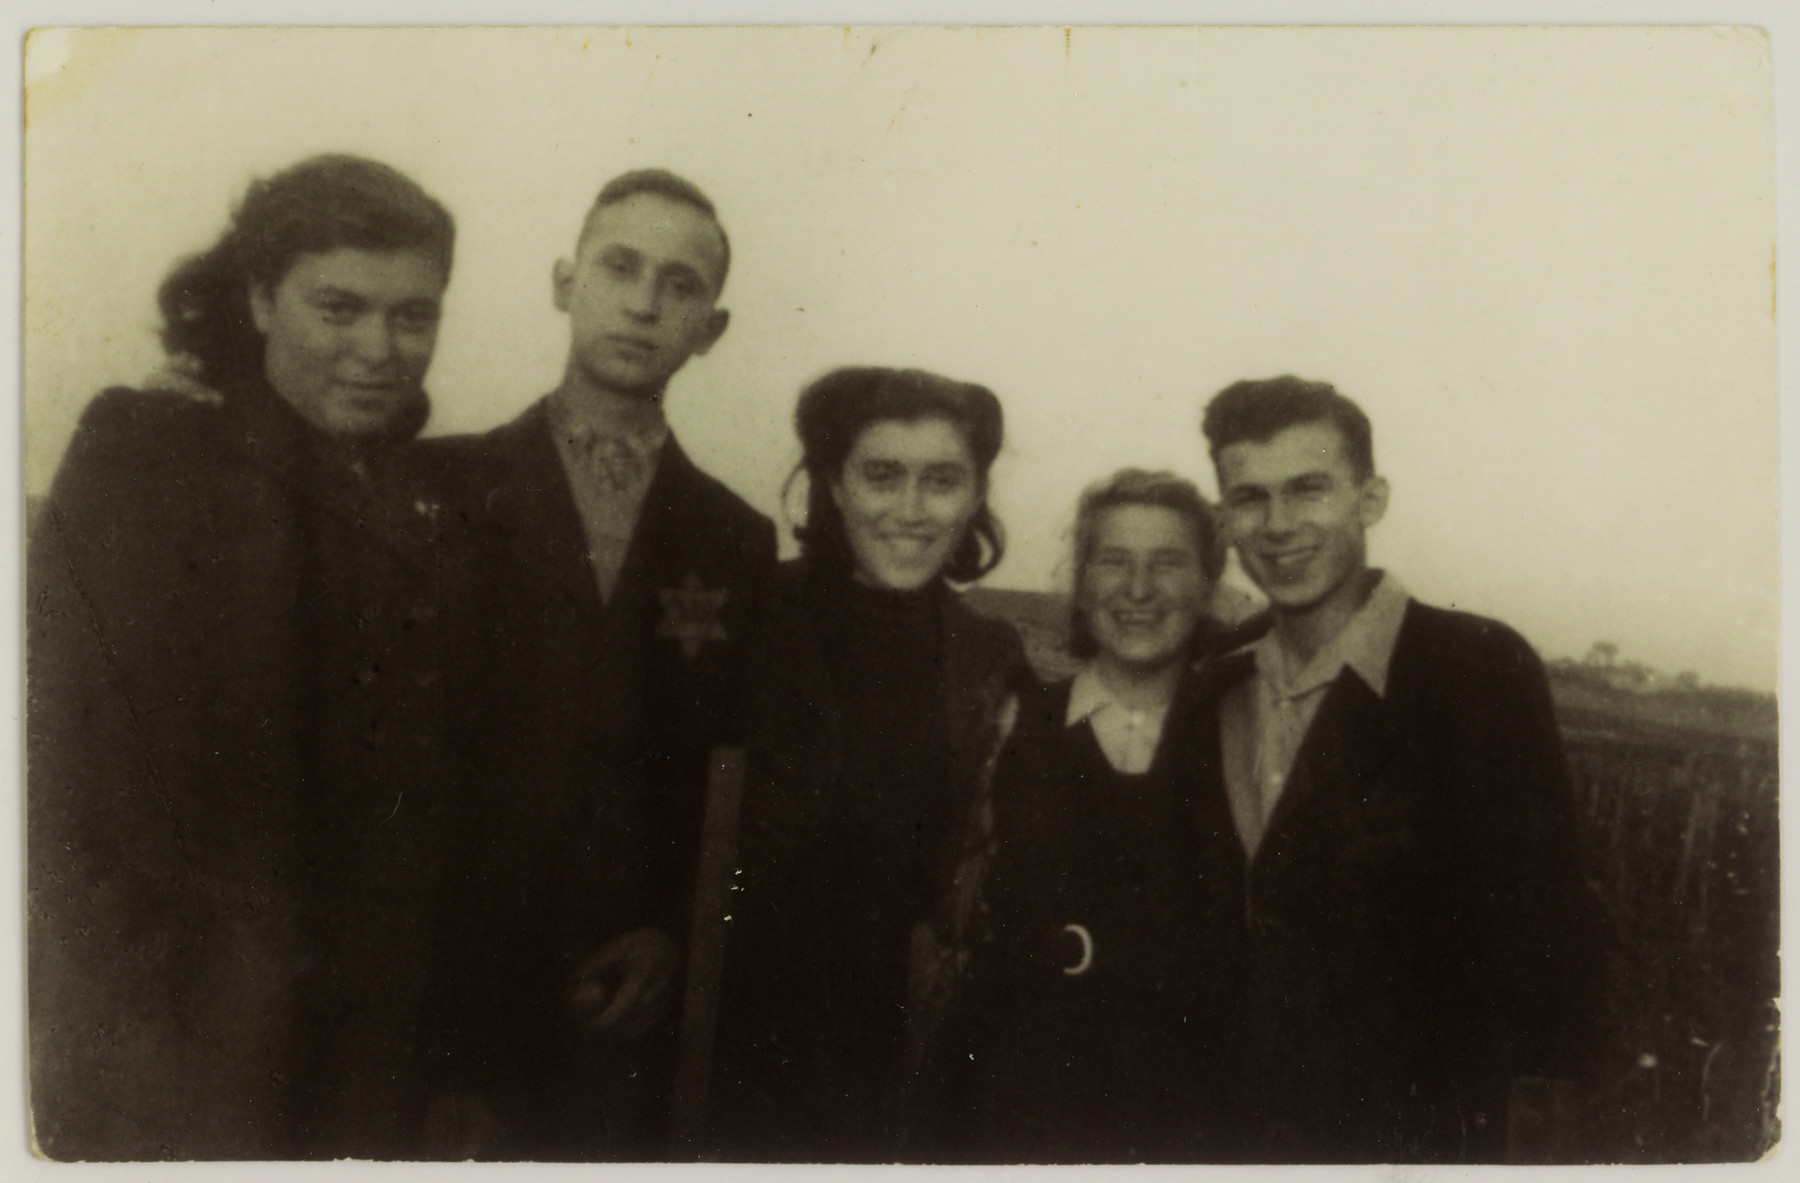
(1365, 644)
(573, 418)
(1089, 695)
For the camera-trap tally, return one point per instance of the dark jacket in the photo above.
(234, 662)
(1416, 929)
(1091, 1031)
(772, 1097)
(589, 759)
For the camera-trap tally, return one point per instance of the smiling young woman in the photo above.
(906, 496)
(236, 702)
(876, 709)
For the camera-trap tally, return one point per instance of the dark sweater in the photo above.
(871, 862)
(885, 652)
(871, 716)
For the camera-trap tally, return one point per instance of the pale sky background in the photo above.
(1541, 259)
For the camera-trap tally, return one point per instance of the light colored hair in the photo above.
(1136, 486)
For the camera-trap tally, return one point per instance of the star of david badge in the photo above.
(691, 614)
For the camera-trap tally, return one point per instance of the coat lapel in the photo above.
(541, 514)
(379, 501)
(979, 662)
(1351, 738)
(1213, 678)
(974, 686)
(655, 539)
(649, 566)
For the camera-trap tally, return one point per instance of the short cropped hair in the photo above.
(660, 182)
(1135, 486)
(835, 411)
(1257, 409)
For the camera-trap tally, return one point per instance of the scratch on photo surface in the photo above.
(649, 77)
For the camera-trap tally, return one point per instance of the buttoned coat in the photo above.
(1091, 1034)
(1416, 927)
(234, 664)
(589, 758)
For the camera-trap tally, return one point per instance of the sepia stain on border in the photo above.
(61, 65)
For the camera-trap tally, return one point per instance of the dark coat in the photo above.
(768, 1099)
(233, 679)
(590, 758)
(1118, 1061)
(1417, 929)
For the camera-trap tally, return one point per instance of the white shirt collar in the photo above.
(1089, 695)
(1365, 644)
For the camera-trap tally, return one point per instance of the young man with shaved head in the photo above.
(1417, 934)
(619, 583)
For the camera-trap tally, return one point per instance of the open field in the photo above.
(1678, 799)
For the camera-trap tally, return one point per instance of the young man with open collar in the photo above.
(619, 591)
(1417, 932)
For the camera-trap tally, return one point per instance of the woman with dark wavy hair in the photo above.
(233, 662)
(875, 713)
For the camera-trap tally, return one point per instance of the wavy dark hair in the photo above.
(321, 204)
(832, 415)
(1135, 486)
(1257, 409)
